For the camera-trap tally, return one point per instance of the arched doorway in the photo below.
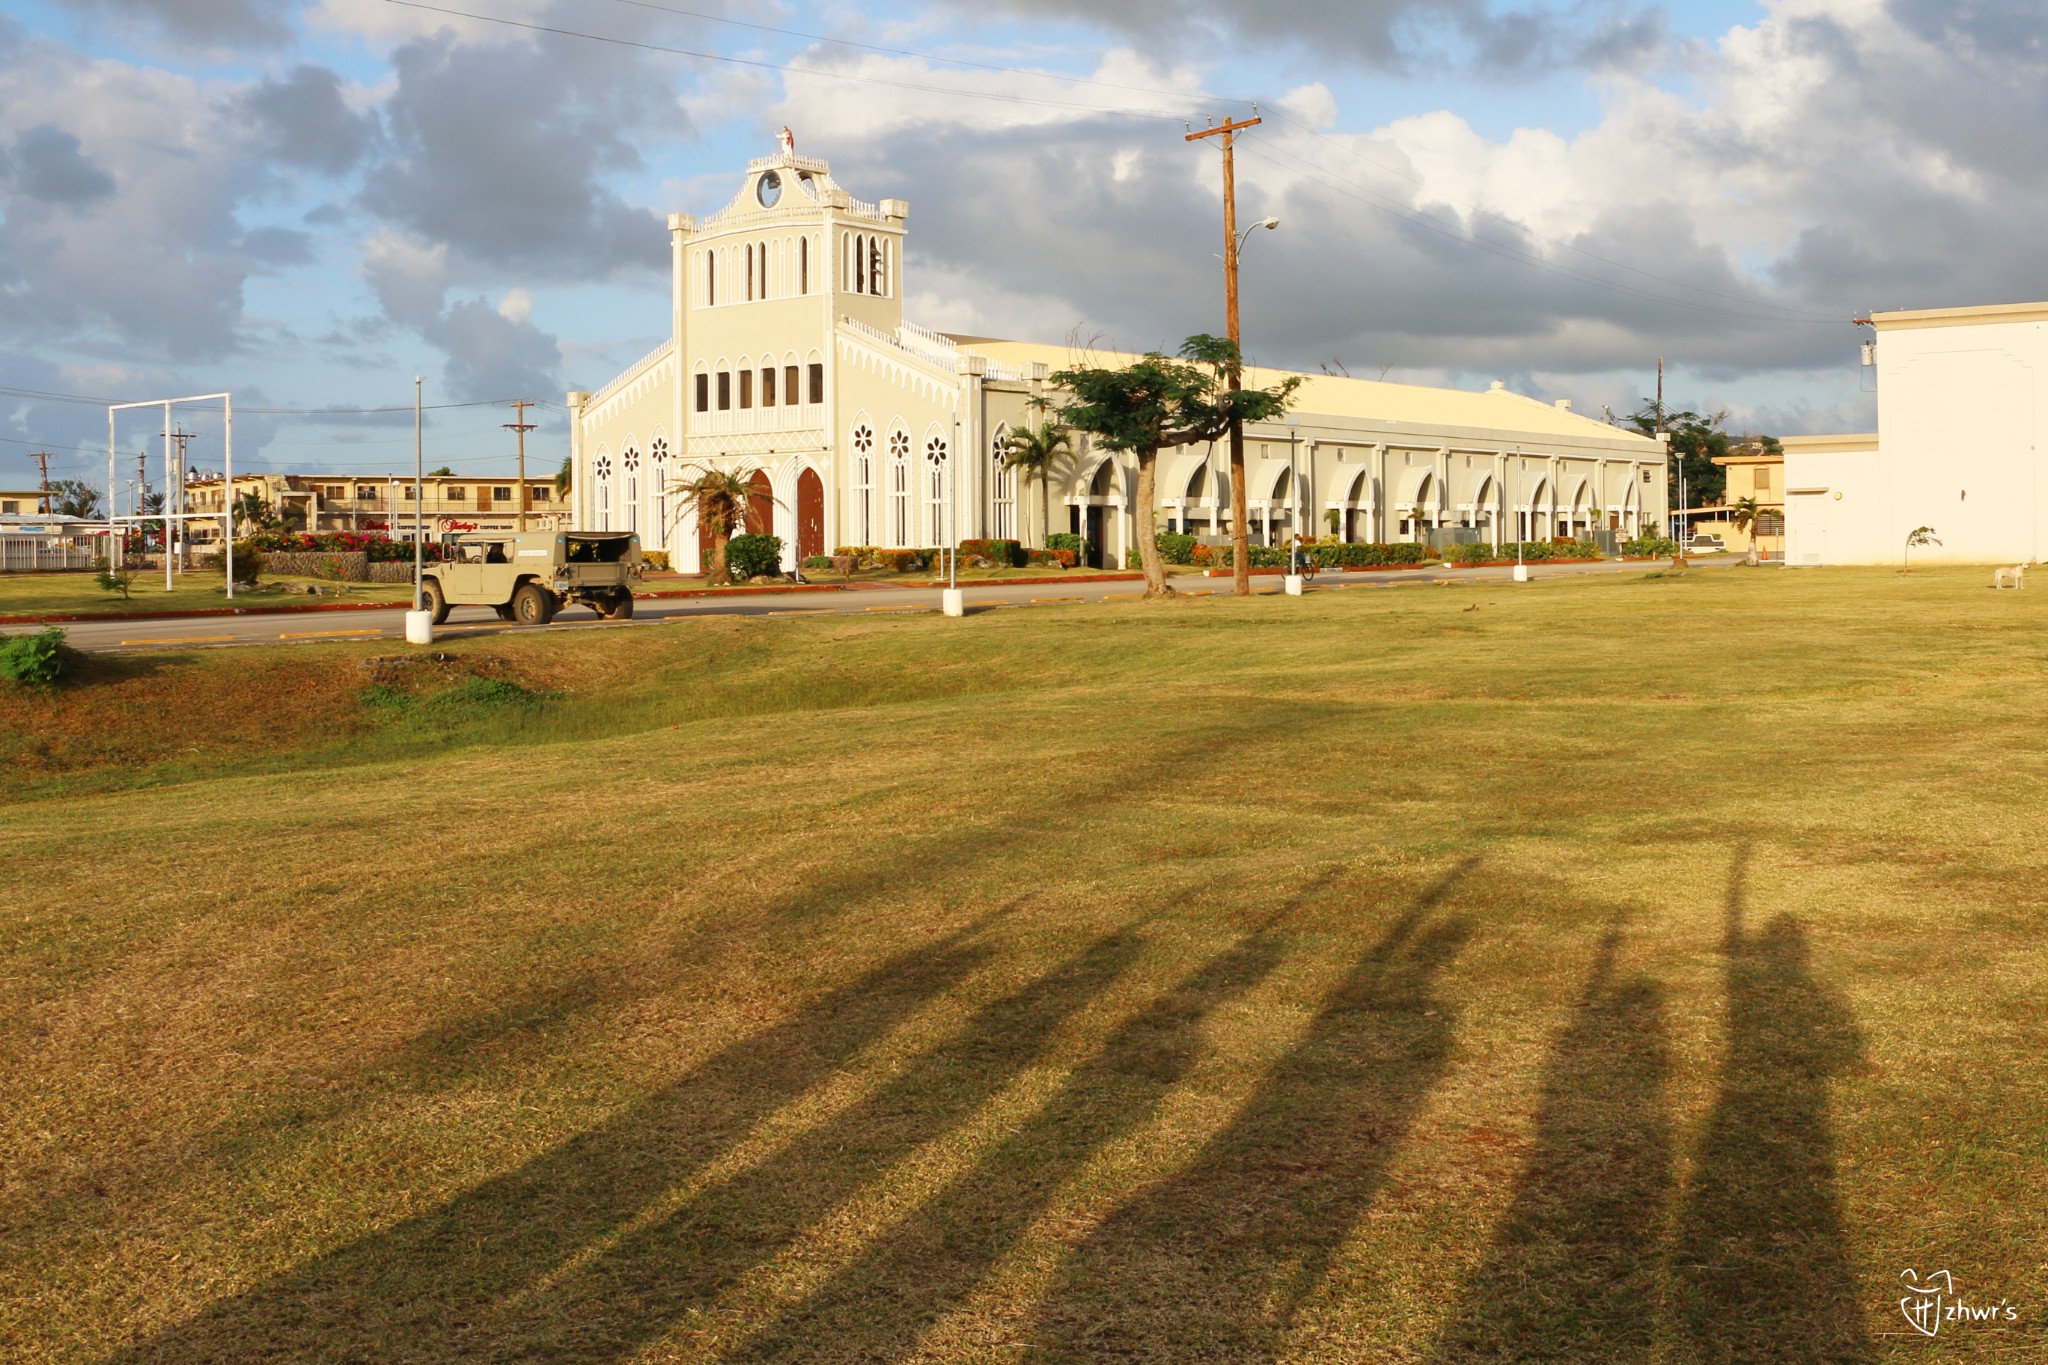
(761, 505)
(810, 515)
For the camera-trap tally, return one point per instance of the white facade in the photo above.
(789, 360)
(1962, 399)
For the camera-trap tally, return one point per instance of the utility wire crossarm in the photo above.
(522, 426)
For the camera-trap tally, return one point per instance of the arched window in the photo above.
(899, 488)
(1003, 486)
(602, 467)
(935, 491)
(860, 265)
(878, 269)
(657, 462)
(803, 265)
(863, 484)
(629, 460)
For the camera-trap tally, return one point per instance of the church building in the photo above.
(789, 361)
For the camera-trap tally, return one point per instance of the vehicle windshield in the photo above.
(589, 550)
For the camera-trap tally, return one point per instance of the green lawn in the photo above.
(1647, 967)
(67, 594)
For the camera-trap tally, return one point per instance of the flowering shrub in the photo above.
(1002, 554)
(1065, 559)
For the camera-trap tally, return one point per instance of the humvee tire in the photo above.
(620, 608)
(436, 600)
(505, 612)
(533, 605)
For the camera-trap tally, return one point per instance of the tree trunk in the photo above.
(1240, 531)
(1148, 538)
(1045, 506)
(720, 573)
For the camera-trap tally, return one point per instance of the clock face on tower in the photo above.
(769, 189)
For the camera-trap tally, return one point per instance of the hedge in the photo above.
(1650, 547)
(751, 556)
(1065, 559)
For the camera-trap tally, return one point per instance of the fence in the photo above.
(40, 554)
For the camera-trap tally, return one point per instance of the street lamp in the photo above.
(1267, 223)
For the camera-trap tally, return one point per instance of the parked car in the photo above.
(1705, 544)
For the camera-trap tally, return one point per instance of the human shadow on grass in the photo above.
(1762, 1269)
(1575, 1270)
(880, 1305)
(414, 1292)
(671, 1273)
(1218, 1260)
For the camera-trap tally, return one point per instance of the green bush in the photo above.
(1065, 559)
(33, 660)
(1004, 554)
(751, 556)
(819, 563)
(1650, 547)
(248, 565)
(1067, 540)
(656, 560)
(1176, 548)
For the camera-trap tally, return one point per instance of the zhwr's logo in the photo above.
(1932, 1301)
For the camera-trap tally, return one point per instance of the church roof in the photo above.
(1365, 400)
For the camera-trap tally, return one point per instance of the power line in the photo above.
(785, 67)
(46, 396)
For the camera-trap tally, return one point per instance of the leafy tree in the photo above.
(444, 472)
(1036, 450)
(73, 498)
(111, 579)
(1155, 404)
(721, 499)
(1696, 440)
(1918, 536)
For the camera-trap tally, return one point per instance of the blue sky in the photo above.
(310, 203)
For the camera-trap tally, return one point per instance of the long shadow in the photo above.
(395, 1294)
(1217, 1261)
(1762, 1269)
(662, 1274)
(879, 1306)
(1575, 1268)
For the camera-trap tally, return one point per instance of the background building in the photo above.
(1961, 425)
(789, 361)
(451, 504)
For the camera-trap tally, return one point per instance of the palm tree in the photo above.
(1919, 535)
(721, 499)
(565, 476)
(1036, 450)
(1743, 517)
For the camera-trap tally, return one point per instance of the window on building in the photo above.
(767, 386)
(860, 265)
(746, 388)
(1003, 489)
(455, 492)
(899, 489)
(366, 492)
(704, 393)
(935, 490)
(542, 493)
(803, 265)
(710, 278)
(1770, 524)
(10, 509)
(1763, 478)
(789, 381)
(863, 484)
(878, 263)
(817, 382)
(335, 490)
(503, 492)
(409, 491)
(724, 390)
(750, 271)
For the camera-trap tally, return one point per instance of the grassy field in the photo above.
(65, 594)
(1648, 968)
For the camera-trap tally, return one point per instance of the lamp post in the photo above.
(950, 601)
(1293, 583)
(419, 622)
(1521, 521)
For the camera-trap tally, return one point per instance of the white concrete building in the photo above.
(789, 361)
(1962, 396)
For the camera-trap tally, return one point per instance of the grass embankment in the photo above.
(1595, 970)
(78, 594)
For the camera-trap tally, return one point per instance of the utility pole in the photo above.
(177, 483)
(522, 426)
(42, 459)
(1240, 539)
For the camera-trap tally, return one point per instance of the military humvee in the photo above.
(528, 576)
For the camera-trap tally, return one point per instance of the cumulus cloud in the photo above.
(303, 119)
(494, 351)
(260, 22)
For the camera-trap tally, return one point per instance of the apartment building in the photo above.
(450, 505)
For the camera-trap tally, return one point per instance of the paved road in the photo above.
(309, 627)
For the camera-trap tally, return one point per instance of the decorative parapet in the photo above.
(789, 161)
(681, 222)
(632, 372)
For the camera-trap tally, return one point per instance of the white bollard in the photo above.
(1293, 585)
(419, 627)
(1521, 573)
(953, 601)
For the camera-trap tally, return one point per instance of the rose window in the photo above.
(864, 438)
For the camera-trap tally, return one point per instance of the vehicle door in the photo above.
(462, 575)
